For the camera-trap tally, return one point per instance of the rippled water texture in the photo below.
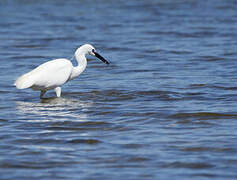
(166, 107)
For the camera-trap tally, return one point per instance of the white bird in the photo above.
(53, 74)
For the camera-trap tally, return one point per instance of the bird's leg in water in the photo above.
(58, 91)
(42, 92)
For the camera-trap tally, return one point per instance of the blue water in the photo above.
(164, 109)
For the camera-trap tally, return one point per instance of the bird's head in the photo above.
(89, 49)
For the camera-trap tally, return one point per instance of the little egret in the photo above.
(53, 74)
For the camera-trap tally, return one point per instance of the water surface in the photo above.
(164, 108)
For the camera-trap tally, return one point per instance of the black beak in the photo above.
(100, 57)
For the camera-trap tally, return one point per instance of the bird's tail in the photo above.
(24, 81)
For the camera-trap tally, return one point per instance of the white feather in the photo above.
(46, 76)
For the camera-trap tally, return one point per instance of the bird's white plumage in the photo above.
(46, 76)
(53, 74)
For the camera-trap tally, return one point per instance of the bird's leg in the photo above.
(42, 92)
(58, 91)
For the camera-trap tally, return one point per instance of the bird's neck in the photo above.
(81, 65)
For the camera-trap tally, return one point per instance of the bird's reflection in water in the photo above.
(54, 109)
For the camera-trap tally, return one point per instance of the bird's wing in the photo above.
(24, 81)
(48, 75)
